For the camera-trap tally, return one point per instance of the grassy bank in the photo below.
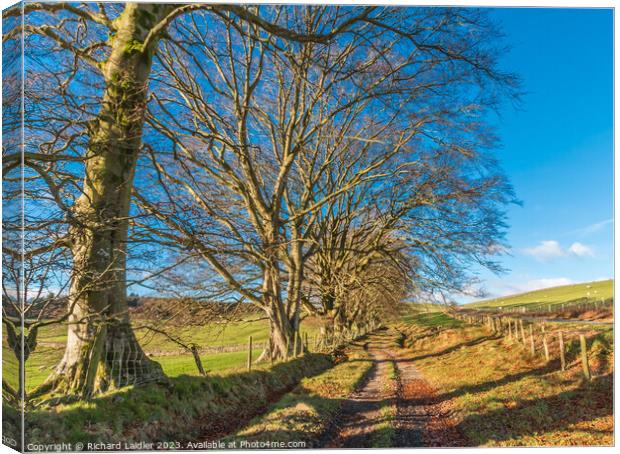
(305, 413)
(555, 295)
(501, 396)
(186, 408)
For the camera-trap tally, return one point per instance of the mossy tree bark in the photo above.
(102, 350)
(284, 316)
(281, 327)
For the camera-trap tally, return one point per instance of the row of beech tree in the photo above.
(308, 160)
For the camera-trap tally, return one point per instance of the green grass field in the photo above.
(423, 307)
(556, 295)
(177, 365)
(432, 319)
(51, 341)
(208, 335)
(41, 364)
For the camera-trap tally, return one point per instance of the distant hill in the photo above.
(564, 293)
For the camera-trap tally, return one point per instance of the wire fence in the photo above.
(138, 363)
(552, 342)
(579, 304)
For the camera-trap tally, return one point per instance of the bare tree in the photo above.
(258, 136)
(285, 86)
(99, 128)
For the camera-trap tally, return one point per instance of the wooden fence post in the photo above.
(516, 330)
(509, 329)
(197, 360)
(545, 345)
(562, 354)
(584, 357)
(532, 346)
(522, 331)
(250, 354)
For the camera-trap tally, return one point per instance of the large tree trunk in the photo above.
(296, 278)
(283, 337)
(102, 349)
(284, 319)
(282, 332)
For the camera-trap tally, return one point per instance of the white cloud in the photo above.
(580, 250)
(546, 250)
(550, 249)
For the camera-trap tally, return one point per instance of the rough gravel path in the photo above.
(412, 415)
(383, 407)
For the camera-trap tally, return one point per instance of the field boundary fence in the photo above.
(539, 338)
(579, 304)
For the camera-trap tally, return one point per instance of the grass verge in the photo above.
(501, 396)
(304, 414)
(186, 408)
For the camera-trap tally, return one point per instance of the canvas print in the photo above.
(263, 226)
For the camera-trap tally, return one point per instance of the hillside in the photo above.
(592, 290)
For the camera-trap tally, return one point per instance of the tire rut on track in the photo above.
(363, 416)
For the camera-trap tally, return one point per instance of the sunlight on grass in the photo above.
(305, 413)
(185, 365)
(432, 319)
(501, 396)
(51, 342)
(593, 290)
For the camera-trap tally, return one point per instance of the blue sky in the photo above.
(558, 148)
